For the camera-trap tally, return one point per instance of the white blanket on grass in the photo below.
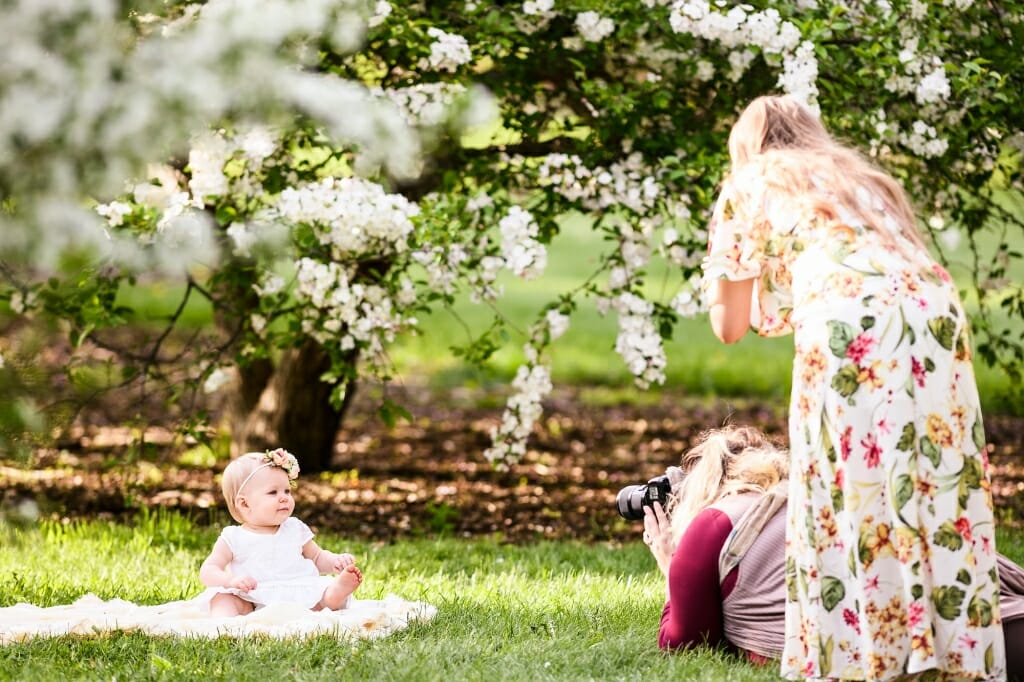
(90, 615)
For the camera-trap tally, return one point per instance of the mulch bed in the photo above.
(429, 477)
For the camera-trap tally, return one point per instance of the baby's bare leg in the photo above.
(225, 605)
(338, 592)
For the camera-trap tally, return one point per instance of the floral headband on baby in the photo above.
(276, 458)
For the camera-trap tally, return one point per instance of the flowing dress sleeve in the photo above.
(741, 246)
(735, 246)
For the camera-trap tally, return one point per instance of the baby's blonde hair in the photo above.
(792, 147)
(235, 474)
(726, 461)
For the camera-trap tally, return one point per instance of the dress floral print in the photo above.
(890, 559)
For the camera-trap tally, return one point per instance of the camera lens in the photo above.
(630, 502)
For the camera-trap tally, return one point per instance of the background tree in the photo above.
(616, 110)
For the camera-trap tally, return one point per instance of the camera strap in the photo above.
(749, 527)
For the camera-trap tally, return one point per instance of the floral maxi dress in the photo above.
(890, 550)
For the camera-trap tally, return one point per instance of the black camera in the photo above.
(632, 499)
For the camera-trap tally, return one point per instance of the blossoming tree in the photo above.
(333, 229)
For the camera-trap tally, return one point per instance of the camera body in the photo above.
(632, 499)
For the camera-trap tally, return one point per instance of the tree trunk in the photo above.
(293, 410)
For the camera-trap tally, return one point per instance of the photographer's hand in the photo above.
(658, 535)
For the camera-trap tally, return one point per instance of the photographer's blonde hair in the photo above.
(235, 474)
(791, 147)
(726, 461)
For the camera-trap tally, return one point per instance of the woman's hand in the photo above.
(658, 535)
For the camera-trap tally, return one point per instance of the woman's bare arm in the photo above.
(730, 309)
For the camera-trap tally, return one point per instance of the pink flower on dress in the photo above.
(872, 452)
(844, 442)
(860, 347)
(915, 614)
(918, 371)
(963, 526)
(968, 641)
(883, 426)
(871, 585)
(850, 618)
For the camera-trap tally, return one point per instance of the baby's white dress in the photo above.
(275, 560)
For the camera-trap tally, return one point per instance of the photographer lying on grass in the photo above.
(721, 546)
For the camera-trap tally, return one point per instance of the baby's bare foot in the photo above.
(337, 594)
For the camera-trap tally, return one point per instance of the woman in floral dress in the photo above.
(890, 550)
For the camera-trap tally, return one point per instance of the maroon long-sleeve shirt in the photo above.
(693, 613)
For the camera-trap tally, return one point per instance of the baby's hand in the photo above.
(243, 583)
(343, 561)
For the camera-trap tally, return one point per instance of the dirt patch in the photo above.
(429, 477)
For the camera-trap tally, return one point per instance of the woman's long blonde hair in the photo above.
(791, 146)
(726, 461)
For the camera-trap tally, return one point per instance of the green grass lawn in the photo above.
(552, 610)
(545, 611)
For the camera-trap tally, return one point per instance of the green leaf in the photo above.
(906, 441)
(931, 451)
(979, 612)
(840, 335)
(832, 592)
(791, 578)
(389, 412)
(904, 490)
(972, 473)
(943, 328)
(978, 435)
(825, 656)
(964, 576)
(948, 536)
(845, 381)
(226, 214)
(837, 498)
(947, 600)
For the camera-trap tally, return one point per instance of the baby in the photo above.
(271, 557)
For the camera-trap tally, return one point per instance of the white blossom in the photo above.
(381, 11)
(114, 212)
(538, 6)
(531, 384)
(350, 215)
(217, 379)
(206, 162)
(557, 323)
(593, 27)
(448, 52)
(257, 143)
(934, 87)
(424, 104)
(270, 283)
(924, 140)
(524, 255)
